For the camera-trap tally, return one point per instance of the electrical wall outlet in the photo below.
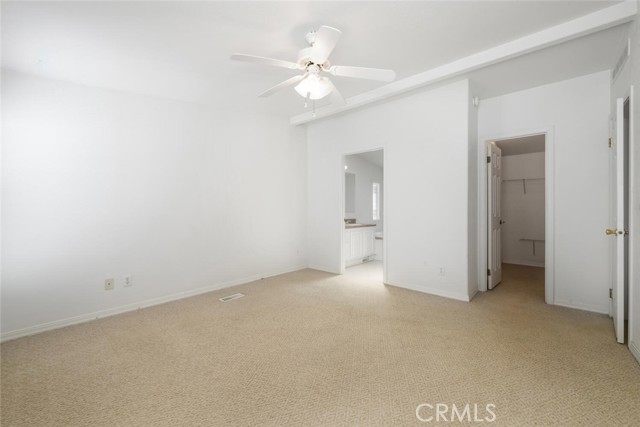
(108, 284)
(128, 281)
(442, 271)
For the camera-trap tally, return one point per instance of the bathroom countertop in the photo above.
(347, 226)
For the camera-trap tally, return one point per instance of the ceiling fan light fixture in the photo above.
(313, 61)
(314, 86)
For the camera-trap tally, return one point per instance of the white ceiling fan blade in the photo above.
(325, 40)
(363, 73)
(289, 82)
(336, 96)
(266, 61)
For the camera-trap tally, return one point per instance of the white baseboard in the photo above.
(322, 268)
(431, 291)
(56, 324)
(582, 307)
(352, 263)
(474, 292)
(635, 350)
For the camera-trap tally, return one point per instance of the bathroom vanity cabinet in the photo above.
(359, 244)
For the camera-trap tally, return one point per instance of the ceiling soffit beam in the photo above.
(579, 27)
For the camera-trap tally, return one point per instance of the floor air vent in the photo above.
(231, 297)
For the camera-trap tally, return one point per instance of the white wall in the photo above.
(100, 184)
(630, 75)
(425, 136)
(366, 173)
(523, 213)
(577, 110)
(472, 197)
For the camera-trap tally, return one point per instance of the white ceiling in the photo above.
(181, 50)
(524, 145)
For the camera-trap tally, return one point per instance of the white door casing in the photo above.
(339, 223)
(618, 222)
(494, 213)
(549, 192)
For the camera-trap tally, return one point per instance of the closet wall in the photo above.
(523, 209)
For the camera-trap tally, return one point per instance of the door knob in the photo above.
(609, 231)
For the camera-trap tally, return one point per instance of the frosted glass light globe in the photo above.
(316, 87)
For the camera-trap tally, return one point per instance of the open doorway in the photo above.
(363, 232)
(516, 210)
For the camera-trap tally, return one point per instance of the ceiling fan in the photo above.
(314, 62)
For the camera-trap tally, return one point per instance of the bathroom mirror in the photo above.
(349, 192)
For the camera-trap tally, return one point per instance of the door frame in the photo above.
(628, 95)
(340, 221)
(549, 197)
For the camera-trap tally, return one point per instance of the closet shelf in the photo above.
(524, 182)
(533, 243)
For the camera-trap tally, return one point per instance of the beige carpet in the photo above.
(313, 349)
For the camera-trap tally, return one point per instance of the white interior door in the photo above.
(494, 185)
(618, 220)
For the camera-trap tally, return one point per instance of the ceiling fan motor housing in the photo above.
(304, 60)
(304, 57)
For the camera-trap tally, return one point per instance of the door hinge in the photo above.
(488, 159)
(610, 293)
(488, 272)
(610, 143)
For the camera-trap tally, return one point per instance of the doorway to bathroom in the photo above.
(363, 248)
